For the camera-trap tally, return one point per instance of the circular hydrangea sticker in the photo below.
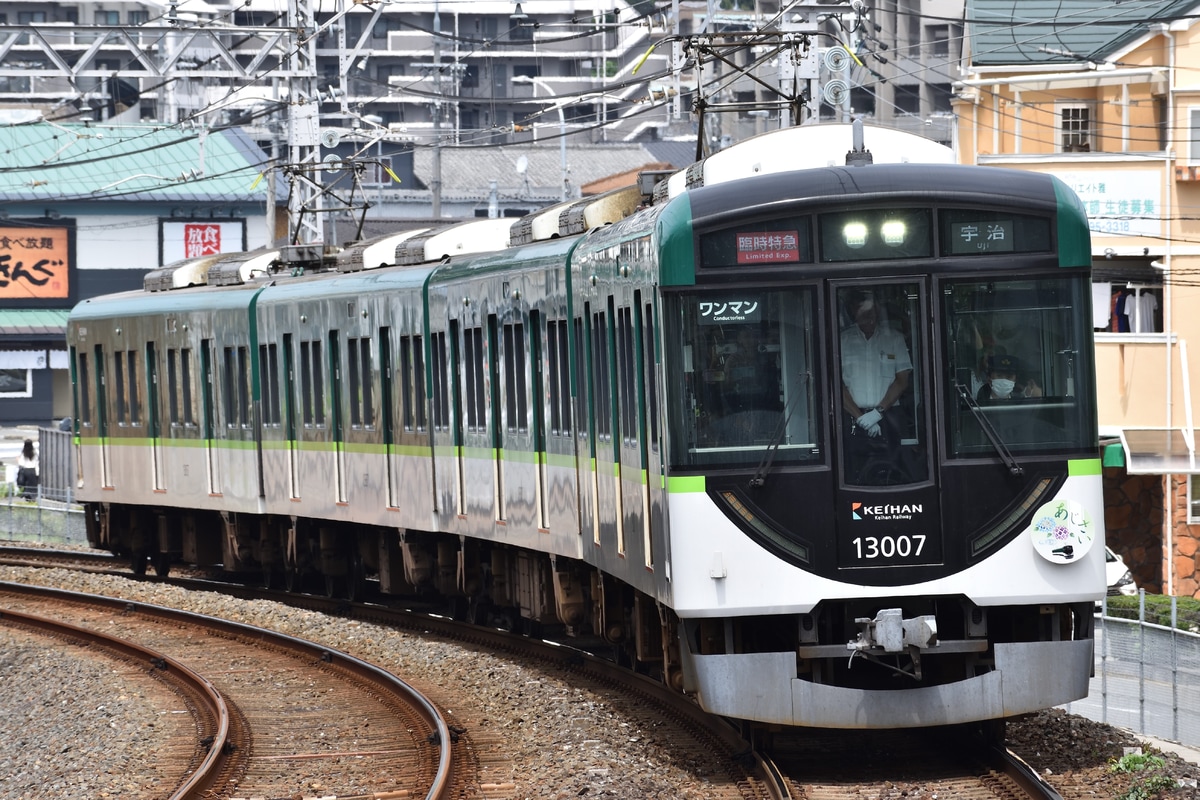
(1062, 531)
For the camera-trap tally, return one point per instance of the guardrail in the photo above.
(1147, 677)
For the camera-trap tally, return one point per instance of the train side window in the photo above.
(185, 379)
(173, 386)
(236, 380)
(474, 377)
(358, 353)
(268, 367)
(441, 382)
(229, 383)
(135, 413)
(648, 347)
(312, 386)
(85, 392)
(515, 394)
(560, 381)
(418, 382)
(119, 379)
(406, 383)
(601, 380)
(584, 392)
(626, 372)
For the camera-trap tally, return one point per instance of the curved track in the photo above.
(286, 701)
(800, 763)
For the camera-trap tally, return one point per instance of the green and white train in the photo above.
(624, 417)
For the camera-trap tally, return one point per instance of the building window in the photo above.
(108, 18)
(1193, 500)
(1076, 129)
(908, 99)
(16, 383)
(1194, 135)
(938, 40)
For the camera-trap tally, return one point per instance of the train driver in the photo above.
(876, 368)
(876, 372)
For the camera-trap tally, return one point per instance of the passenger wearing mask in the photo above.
(1004, 381)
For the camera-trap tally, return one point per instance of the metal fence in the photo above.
(50, 516)
(1147, 678)
(56, 465)
(43, 521)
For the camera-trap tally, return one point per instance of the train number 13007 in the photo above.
(869, 548)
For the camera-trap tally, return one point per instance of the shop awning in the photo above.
(34, 322)
(1159, 451)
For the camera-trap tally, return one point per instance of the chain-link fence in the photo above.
(1147, 677)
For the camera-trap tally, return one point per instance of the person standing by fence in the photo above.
(27, 471)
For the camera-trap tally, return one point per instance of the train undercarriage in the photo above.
(514, 589)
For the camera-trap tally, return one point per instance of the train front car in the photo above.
(885, 500)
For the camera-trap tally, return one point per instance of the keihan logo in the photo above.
(888, 511)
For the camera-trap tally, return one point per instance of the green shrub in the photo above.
(1158, 610)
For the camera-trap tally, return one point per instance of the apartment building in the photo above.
(1105, 97)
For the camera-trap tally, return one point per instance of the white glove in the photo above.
(869, 422)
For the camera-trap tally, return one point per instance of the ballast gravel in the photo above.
(72, 727)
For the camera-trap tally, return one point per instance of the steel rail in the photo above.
(442, 782)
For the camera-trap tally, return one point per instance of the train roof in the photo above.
(800, 148)
(184, 301)
(791, 165)
(959, 183)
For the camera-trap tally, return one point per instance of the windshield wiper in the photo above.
(764, 466)
(990, 432)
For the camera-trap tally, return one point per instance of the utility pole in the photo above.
(304, 135)
(436, 182)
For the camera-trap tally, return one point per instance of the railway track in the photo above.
(264, 704)
(923, 763)
(797, 764)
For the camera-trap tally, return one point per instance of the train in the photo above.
(640, 418)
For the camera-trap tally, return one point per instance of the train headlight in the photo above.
(855, 234)
(894, 232)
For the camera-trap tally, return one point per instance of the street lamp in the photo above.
(562, 124)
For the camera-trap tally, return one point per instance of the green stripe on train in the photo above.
(686, 484)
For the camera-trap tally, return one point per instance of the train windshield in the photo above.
(744, 386)
(1018, 359)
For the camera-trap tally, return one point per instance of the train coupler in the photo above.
(892, 633)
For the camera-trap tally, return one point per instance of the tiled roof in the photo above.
(1010, 32)
(33, 322)
(64, 162)
(468, 172)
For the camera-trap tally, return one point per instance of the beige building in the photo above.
(1109, 101)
